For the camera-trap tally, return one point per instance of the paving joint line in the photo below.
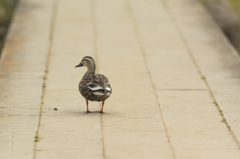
(12, 146)
(174, 21)
(95, 37)
(52, 26)
(182, 89)
(136, 31)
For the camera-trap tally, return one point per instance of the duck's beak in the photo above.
(80, 65)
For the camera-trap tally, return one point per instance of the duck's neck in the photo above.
(91, 69)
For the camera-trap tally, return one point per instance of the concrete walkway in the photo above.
(175, 79)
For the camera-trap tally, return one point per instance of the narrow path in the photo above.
(52, 27)
(145, 63)
(22, 69)
(196, 65)
(95, 37)
(69, 132)
(174, 75)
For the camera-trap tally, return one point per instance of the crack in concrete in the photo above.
(52, 26)
(182, 89)
(136, 30)
(165, 4)
(95, 36)
(12, 146)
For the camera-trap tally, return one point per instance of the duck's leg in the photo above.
(101, 111)
(102, 107)
(87, 108)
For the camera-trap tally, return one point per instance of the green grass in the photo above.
(222, 115)
(230, 28)
(236, 5)
(6, 12)
(6, 7)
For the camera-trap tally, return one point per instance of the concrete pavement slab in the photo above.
(132, 116)
(22, 69)
(172, 71)
(68, 132)
(214, 56)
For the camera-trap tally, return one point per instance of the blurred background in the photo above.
(6, 12)
(225, 12)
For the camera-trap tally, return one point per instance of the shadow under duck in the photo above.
(93, 87)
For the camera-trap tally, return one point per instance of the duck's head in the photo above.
(88, 62)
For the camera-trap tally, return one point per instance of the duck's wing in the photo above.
(99, 85)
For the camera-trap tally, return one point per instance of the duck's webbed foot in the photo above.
(98, 112)
(88, 111)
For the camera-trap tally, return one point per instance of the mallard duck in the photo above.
(93, 87)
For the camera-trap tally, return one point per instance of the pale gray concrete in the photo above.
(22, 68)
(168, 64)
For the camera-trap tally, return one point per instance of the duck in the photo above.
(93, 87)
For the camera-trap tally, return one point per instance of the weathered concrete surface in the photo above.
(22, 68)
(155, 54)
(215, 57)
(181, 92)
(133, 116)
(197, 129)
(69, 132)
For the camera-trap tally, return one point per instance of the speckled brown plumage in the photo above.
(93, 87)
(97, 79)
